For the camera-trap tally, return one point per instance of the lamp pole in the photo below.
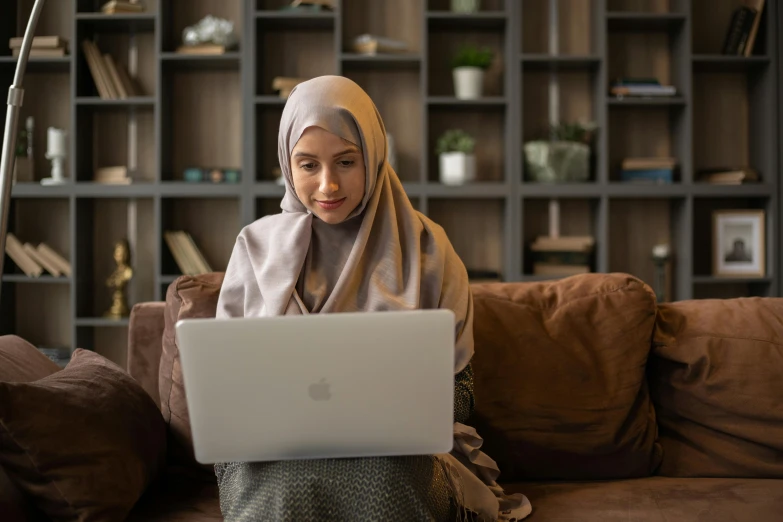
(15, 98)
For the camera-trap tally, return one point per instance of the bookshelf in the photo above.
(221, 111)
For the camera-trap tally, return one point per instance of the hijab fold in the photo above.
(385, 256)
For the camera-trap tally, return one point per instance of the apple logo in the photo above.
(319, 391)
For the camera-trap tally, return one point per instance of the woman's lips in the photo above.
(331, 204)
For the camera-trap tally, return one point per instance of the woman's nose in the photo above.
(329, 183)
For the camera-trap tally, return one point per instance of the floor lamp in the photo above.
(15, 98)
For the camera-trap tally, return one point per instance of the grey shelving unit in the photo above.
(221, 110)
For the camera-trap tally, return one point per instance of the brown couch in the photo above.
(597, 402)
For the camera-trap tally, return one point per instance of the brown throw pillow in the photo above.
(716, 381)
(560, 380)
(188, 297)
(20, 361)
(85, 442)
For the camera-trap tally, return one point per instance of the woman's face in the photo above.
(328, 174)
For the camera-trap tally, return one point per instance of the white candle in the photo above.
(55, 142)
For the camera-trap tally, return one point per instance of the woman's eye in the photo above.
(307, 166)
(346, 163)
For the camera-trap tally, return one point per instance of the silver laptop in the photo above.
(319, 386)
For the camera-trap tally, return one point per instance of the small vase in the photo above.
(457, 168)
(468, 82)
(465, 6)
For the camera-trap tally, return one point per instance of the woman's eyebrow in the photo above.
(349, 150)
(302, 154)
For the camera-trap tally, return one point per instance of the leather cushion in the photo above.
(84, 442)
(560, 377)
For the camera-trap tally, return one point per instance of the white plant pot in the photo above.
(465, 6)
(457, 168)
(468, 82)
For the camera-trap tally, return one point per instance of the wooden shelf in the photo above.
(638, 21)
(118, 22)
(286, 19)
(228, 60)
(535, 61)
(631, 101)
(43, 279)
(481, 20)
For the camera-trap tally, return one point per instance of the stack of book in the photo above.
(33, 260)
(111, 79)
(641, 88)
(204, 49)
(562, 256)
(743, 29)
(648, 170)
(112, 175)
(119, 6)
(186, 254)
(42, 46)
(728, 176)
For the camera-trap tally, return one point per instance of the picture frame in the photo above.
(739, 243)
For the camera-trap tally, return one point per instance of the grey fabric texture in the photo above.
(384, 488)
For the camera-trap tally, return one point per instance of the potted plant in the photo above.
(564, 157)
(465, 6)
(456, 158)
(468, 68)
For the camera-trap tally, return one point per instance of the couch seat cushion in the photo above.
(560, 383)
(716, 378)
(183, 495)
(655, 499)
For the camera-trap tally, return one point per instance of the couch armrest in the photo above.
(145, 345)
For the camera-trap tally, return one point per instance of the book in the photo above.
(207, 49)
(659, 175)
(40, 42)
(742, 21)
(119, 6)
(117, 175)
(643, 163)
(728, 176)
(751, 40)
(43, 261)
(15, 250)
(186, 254)
(55, 258)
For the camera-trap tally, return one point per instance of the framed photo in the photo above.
(738, 243)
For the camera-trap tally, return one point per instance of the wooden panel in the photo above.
(43, 220)
(576, 101)
(43, 314)
(47, 100)
(635, 227)
(304, 54)
(487, 129)
(646, 6)
(640, 54)
(398, 98)
(110, 141)
(637, 132)
(185, 14)
(720, 120)
(711, 20)
(112, 343)
(267, 128)
(396, 19)
(213, 223)
(574, 26)
(142, 286)
(443, 45)
(207, 120)
(56, 19)
(475, 228)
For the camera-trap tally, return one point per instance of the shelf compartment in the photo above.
(267, 123)
(267, 206)
(37, 64)
(486, 127)
(724, 63)
(40, 220)
(710, 22)
(577, 101)
(176, 16)
(457, 103)
(399, 20)
(296, 53)
(577, 22)
(397, 96)
(104, 337)
(475, 229)
(704, 233)
(38, 313)
(638, 101)
(297, 20)
(481, 20)
(444, 43)
(100, 223)
(213, 223)
(636, 226)
(639, 21)
(202, 122)
(565, 62)
(578, 217)
(120, 22)
(733, 288)
(112, 135)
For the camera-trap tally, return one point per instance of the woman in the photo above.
(349, 239)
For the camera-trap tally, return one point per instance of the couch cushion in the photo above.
(84, 442)
(560, 377)
(716, 381)
(181, 496)
(20, 361)
(145, 344)
(656, 499)
(188, 297)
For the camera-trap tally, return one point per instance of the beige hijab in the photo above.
(384, 256)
